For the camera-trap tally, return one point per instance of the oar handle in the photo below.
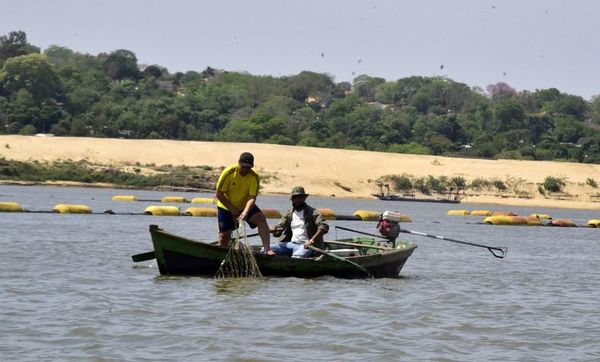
(143, 256)
(361, 232)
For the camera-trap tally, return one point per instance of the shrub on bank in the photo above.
(201, 177)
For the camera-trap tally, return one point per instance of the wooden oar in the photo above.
(501, 250)
(331, 255)
(149, 255)
(357, 245)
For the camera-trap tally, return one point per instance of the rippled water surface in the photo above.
(70, 291)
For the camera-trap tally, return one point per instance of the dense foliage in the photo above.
(67, 93)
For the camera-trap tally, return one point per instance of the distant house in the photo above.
(380, 105)
(165, 85)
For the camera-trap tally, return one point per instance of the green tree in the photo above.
(21, 110)
(366, 86)
(32, 73)
(568, 105)
(546, 96)
(49, 114)
(441, 130)
(421, 101)
(79, 128)
(334, 117)
(61, 128)
(239, 130)
(122, 64)
(80, 100)
(28, 130)
(594, 109)
(508, 114)
(152, 71)
(538, 126)
(395, 128)
(15, 44)
(406, 88)
(59, 55)
(306, 84)
(590, 149)
(441, 96)
(568, 129)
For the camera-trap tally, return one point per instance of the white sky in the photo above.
(531, 45)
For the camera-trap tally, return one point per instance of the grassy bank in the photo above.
(134, 176)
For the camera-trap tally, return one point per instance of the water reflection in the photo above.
(237, 286)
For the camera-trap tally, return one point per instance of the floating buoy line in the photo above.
(510, 218)
(490, 217)
(171, 210)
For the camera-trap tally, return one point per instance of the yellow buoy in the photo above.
(162, 211)
(203, 200)
(542, 216)
(124, 198)
(8, 206)
(505, 220)
(458, 212)
(503, 213)
(405, 218)
(533, 220)
(272, 213)
(179, 199)
(328, 214)
(563, 222)
(481, 213)
(72, 209)
(594, 223)
(367, 215)
(200, 211)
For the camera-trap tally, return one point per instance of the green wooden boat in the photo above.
(178, 255)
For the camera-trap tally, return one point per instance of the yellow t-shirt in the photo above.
(236, 187)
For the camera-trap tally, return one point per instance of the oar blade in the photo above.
(501, 252)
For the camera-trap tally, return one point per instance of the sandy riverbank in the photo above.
(323, 172)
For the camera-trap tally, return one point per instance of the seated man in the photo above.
(299, 227)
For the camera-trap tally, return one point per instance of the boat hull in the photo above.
(177, 255)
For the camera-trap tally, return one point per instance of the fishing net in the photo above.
(239, 262)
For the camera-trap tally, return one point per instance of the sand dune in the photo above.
(324, 172)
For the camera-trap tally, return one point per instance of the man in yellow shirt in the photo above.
(237, 189)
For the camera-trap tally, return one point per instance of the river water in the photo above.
(70, 292)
